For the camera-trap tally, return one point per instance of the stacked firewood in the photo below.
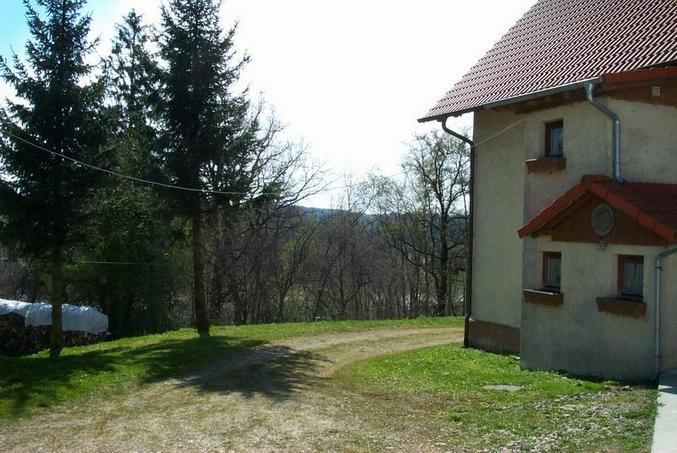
(17, 339)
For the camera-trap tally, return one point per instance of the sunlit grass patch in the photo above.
(487, 401)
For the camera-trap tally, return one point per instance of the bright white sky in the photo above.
(347, 77)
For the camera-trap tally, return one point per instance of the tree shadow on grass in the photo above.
(276, 372)
(31, 382)
(216, 364)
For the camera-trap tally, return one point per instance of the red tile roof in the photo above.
(652, 205)
(561, 42)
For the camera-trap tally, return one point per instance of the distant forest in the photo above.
(149, 186)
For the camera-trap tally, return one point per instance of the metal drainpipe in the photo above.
(468, 271)
(657, 305)
(589, 91)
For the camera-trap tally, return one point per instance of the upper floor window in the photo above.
(631, 276)
(554, 139)
(552, 271)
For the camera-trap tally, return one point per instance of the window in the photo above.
(631, 276)
(554, 139)
(552, 271)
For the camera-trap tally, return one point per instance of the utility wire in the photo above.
(403, 173)
(501, 132)
(189, 189)
(209, 192)
(118, 263)
(121, 263)
(122, 175)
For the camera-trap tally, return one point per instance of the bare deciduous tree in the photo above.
(424, 214)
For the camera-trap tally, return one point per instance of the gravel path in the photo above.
(275, 398)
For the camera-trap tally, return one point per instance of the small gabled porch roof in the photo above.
(652, 205)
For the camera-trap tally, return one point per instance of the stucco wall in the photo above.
(649, 149)
(647, 143)
(499, 200)
(574, 337)
(669, 313)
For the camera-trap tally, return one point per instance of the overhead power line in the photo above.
(124, 176)
(6, 259)
(501, 132)
(193, 189)
(121, 263)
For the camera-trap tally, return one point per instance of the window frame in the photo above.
(622, 260)
(549, 126)
(546, 257)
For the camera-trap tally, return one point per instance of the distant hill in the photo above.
(325, 213)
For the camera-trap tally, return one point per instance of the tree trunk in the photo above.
(199, 295)
(56, 329)
(280, 306)
(282, 291)
(218, 291)
(443, 278)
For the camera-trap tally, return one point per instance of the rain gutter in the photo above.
(469, 251)
(589, 93)
(657, 306)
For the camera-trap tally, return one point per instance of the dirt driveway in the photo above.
(280, 397)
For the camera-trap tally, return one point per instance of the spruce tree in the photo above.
(208, 130)
(133, 86)
(134, 79)
(41, 194)
(129, 222)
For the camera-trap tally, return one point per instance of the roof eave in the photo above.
(516, 99)
(654, 74)
(444, 116)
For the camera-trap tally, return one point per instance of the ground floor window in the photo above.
(631, 276)
(552, 271)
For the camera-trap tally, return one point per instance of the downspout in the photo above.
(657, 305)
(468, 271)
(589, 91)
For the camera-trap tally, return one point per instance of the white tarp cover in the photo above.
(75, 318)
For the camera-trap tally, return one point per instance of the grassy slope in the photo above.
(551, 412)
(33, 382)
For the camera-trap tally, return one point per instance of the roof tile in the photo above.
(560, 42)
(653, 205)
(646, 220)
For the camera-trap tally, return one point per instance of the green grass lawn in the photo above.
(438, 392)
(550, 411)
(33, 382)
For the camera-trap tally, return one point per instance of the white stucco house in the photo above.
(574, 188)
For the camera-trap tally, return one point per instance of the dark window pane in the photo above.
(554, 139)
(553, 271)
(557, 141)
(632, 281)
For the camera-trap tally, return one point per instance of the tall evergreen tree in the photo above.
(133, 86)
(134, 79)
(211, 141)
(129, 222)
(42, 194)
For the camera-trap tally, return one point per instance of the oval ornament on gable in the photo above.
(603, 220)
